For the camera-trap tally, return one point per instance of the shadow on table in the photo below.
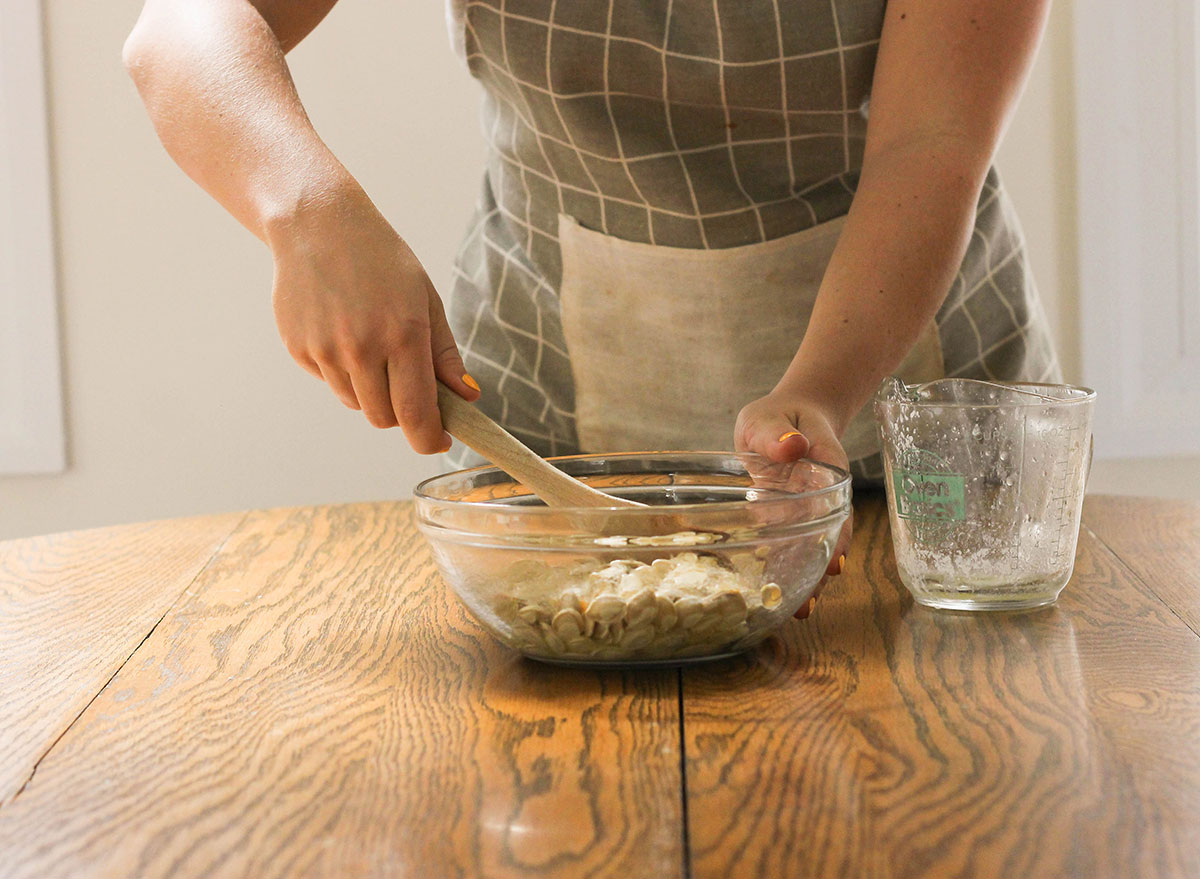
(513, 675)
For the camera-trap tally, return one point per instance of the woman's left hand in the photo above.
(785, 428)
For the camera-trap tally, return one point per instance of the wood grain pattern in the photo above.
(1160, 542)
(73, 607)
(315, 703)
(320, 705)
(882, 739)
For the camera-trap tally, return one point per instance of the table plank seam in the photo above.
(683, 785)
(1137, 578)
(207, 564)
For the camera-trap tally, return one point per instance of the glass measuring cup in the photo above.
(985, 486)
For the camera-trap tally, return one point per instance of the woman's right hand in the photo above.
(356, 309)
(352, 302)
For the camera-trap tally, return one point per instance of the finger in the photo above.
(339, 381)
(414, 399)
(835, 568)
(447, 362)
(829, 451)
(374, 394)
(767, 474)
(308, 365)
(775, 438)
(837, 562)
(805, 609)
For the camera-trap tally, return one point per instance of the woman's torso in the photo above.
(682, 125)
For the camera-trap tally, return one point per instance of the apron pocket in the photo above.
(668, 343)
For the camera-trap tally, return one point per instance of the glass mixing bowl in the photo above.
(729, 547)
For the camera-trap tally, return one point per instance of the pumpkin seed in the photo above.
(726, 604)
(667, 615)
(568, 623)
(555, 643)
(636, 639)
(683, 605)
(531, 614)
(642, 608)
(581, 646)
(606, 608)
(689, 610)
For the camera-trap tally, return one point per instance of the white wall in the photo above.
(180, 398)
(1037, 162)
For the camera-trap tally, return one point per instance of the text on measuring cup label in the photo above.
(935, 496)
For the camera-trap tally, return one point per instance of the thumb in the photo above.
(776, 438)
(447, 362)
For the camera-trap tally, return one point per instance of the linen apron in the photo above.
(666, 181)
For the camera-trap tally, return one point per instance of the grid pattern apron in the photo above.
(713, 138)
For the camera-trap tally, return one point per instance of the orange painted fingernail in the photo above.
(789, 435)
(806, 609)
(470, 382)
(841, 563)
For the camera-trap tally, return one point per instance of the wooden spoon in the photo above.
(466, 423)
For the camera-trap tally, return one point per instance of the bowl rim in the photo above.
(842, 483)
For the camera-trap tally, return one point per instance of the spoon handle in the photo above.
(466, 423)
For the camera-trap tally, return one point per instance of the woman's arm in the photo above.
(947, 78)
(352, 302)
(216, 85)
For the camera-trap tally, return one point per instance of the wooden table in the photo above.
(295, 693)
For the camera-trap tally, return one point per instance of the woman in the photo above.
(701, 223)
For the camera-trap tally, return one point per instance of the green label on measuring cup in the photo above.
(929, 496)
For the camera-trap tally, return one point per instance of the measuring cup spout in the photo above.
(892, 390)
